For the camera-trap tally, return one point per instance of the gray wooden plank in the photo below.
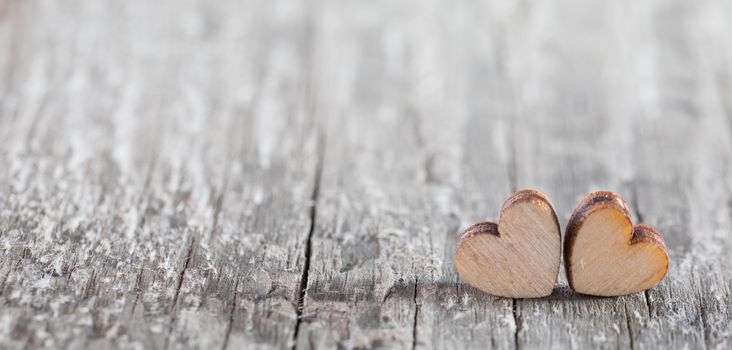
(49, 205)
(112, 199)
(159, 168)
(87, 224)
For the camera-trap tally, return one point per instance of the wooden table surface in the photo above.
(278, 174)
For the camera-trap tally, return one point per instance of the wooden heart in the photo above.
(519, 257)
(605, 255)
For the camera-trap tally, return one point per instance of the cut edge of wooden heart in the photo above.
(610, 200)
(488, 227)
(517, 197)
(530, 195)
(491, 228)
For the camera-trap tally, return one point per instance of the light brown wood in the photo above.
(520, 256)
(606, 255)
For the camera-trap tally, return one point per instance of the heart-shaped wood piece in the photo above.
(520, 256)
(606, 255)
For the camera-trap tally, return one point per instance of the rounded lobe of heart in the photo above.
(519, 257)
(606, 255)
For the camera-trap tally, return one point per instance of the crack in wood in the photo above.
(217, 207)
(386, 295)
(230, 326)
(307, 61)
(5, 278)
(90, 285)
(138, 291)
(146, 189)
(71, 267)
(702, 311)
(416, 314)
(627, 325)
(308, 243)
(649, 307)
(174, 308)
(639, 217)
(517, 323)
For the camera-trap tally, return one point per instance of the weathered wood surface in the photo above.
(278, 174)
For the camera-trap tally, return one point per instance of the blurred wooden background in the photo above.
(279, 174)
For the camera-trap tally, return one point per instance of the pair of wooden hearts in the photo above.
(604, 253)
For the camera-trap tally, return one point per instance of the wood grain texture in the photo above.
(277, 174)
(141, 175)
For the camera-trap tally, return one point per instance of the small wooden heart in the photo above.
(605, 255)
(519, 257)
